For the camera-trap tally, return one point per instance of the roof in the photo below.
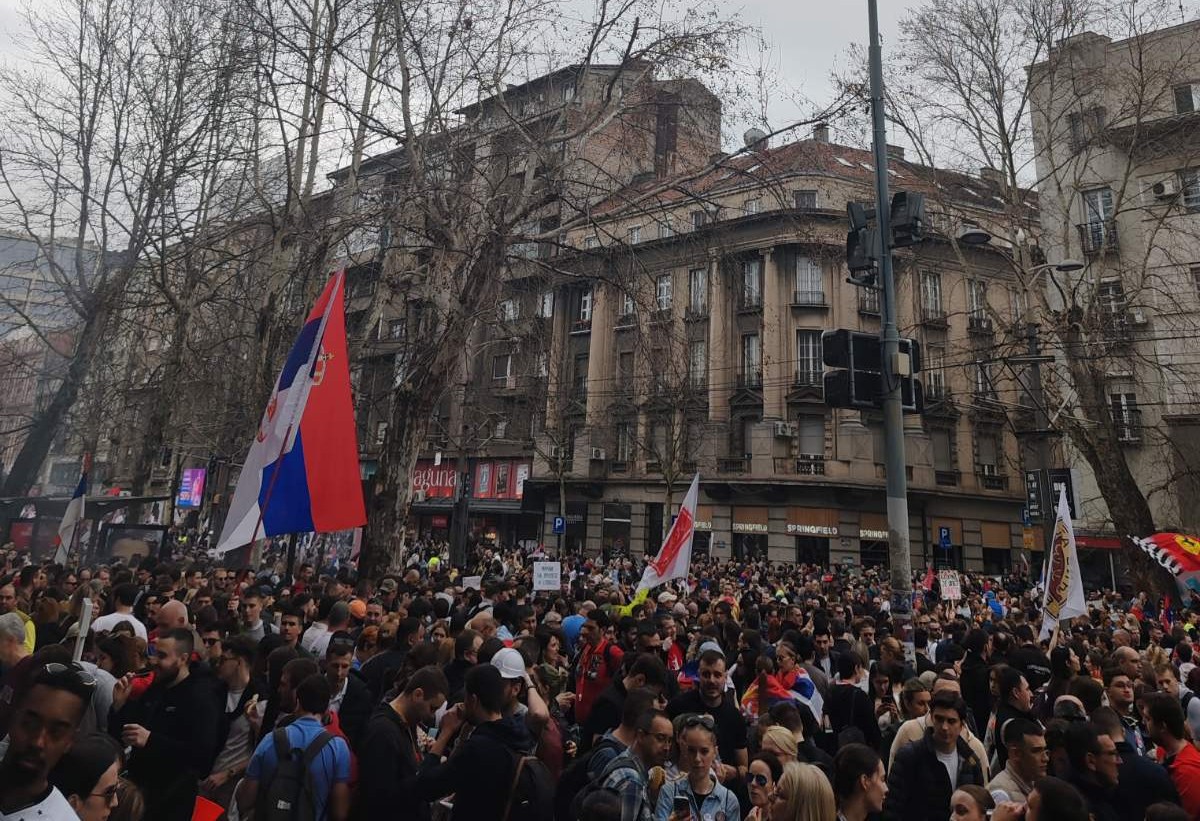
(810, 157)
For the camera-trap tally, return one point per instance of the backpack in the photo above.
(575, 778)
(291, 794)
(531, 795)
(597, 784)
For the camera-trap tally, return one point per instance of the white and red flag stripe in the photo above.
(675, 557)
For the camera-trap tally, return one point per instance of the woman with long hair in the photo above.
(704, 795)
(859, 782)
(803, 794)
(971, 802)
(551, 665)
(88, 775)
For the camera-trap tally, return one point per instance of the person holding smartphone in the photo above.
(699, 796)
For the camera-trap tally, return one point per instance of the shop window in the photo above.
(616, 528)
(701, 543)
(874, 553)
(812, 550)
(654, 528)
(997, 561)
(749, 546)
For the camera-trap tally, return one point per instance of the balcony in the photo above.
(809, 379)
(1098, 237)
(625, 322)
(990, 479)
(581, 326)
(696, 313)
(868, 302)
(808, 299)
(749, 303)
(654, 466)
(978, 323)
(737, 466)
(803, 465)
(750, 380)
(662, 316)
(934, 316)
(946, 478)
(621, 466)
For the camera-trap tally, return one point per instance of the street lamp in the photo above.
(973, 235)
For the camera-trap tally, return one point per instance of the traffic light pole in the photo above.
(893, 415)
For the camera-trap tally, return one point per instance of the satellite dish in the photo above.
(755, 137)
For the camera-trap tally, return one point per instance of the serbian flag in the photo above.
(801, 690)
(301, 474)
(927, 582)
(72, 518)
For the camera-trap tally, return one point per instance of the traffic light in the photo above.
(908, 219)
(862, 244)
(858, 379)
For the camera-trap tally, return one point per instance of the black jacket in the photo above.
(1033, 664)
(480, 771)
(605, 714)
(1004, 713)
(1140, 783)
(456, 677)
(1100, 801)
(184, 723)
(976, 685)
(919, 786)
(849, 707)
(355, 711)
(388, 762)
(381, 669)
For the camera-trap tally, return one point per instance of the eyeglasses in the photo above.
(110, 795)
(757, 779)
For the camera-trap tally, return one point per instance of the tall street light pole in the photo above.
(893, 413)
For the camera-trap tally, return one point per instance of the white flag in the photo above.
(72, 516)
(1064, 584)
(675, 557)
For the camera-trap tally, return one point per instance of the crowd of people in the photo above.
(750, 691)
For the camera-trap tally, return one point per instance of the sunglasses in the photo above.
(757, 779)
(109, 795)
(700, 720)
(71, 674)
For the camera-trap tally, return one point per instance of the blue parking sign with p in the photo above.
(560, 524)
(944, 537)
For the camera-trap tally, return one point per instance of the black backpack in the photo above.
(597, 784)
(291, 794)
(575, 778)
(531, 794)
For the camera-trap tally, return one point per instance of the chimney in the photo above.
(821, 132)
(895, 152)
(993, 175)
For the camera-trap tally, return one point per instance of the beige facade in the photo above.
(1117, 134)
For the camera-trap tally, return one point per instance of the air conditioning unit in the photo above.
(598, 454)
(1165, 189)
(1137, 317)
(418, 496)
(785, 430)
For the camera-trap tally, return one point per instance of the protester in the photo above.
(803, 794)
(925, 773)
(763, 774)
(1167, 729)
(89, 775)
(859, 782)
(703, 794)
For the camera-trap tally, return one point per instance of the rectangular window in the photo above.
(810, 286)
(1110, 297)
(805, 200)
(752, 283)
(628, 308)
(567, 92)
(585, 306)
(868, 300)
(1189, 184)
(1086, 126)
(662, 292)
(625, 369)
(579, 379)
(541, 365)
(396, 329)
(635, 234)
(1125, 416)
(502, 368)
(1098, 205)
(935, 371)
(812, 437)
(987, 446)
(943, 453)
(508, 310)
(752, 359)
(977, 299)
(699, 220)
(665, 230)
(809, 366)
(931, 295)
(624, 441)
(697, 363)
(753, 206)
(1187, 98)
(983, 381)
(546, 306)
(591, 242)
(380, 432)
(698, 291)
(1018, 303)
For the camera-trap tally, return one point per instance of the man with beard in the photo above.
(172, 728)
(711, 698)
(46, 719)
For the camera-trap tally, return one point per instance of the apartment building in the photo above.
(1117, 136)
(681, 332)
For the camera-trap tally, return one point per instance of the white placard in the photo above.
(951, 589)
(472, 582)
(547, 576)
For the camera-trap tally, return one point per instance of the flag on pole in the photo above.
(301, 474)
(1064, 585)
(72, 518)
(673, 561)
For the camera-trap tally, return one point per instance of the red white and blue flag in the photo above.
(72, 520)
(301, 474)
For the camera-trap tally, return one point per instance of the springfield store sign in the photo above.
(811, 530)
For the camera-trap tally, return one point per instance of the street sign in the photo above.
(1033, 496)
(1062, 478)
(944, 538)
(1026, 520)
(948, 579)
(560, 525)
(1027, 538)
(547, 576)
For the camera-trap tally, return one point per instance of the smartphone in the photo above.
(681, 809)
